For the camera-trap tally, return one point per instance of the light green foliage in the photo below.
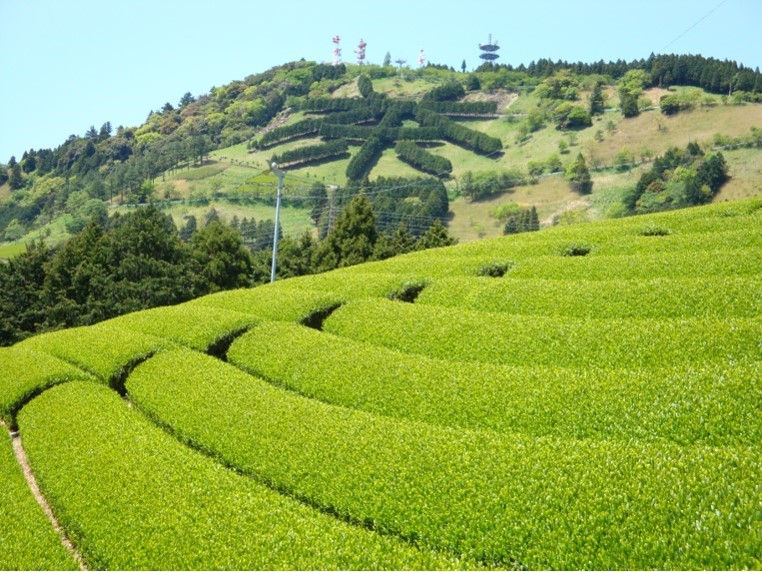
(24, 373)
(539, 340)
(714, 297)
(271, 302)
(27, 540)
(597, 504)
(194, 326)
(102, 350)
(706, 404)
(133, 498)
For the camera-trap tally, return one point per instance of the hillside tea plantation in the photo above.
(498, 404)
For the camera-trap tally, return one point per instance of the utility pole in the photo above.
(279, 173)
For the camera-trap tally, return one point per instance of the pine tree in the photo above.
(578, 176)
(15, 180)
(596, 100)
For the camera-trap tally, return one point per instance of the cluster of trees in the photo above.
(114, 266)
(485, 184)
(422, 159)
(459, 134)
(677, 179)
(361, 164)
(286, 133)
(312, 153)
(522, 219)
(464, 108)
(710, 74)
(558, 94)
(578, 176)
(140, 260)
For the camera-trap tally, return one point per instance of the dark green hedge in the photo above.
(422, 159)
(312, 153)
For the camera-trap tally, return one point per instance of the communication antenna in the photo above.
(360, 51)
(489, 50)
(421, 58)
(400, 62)
(336, 50)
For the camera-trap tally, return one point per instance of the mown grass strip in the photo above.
(271, 302)
(24, 374)
(27, 539)
(507, 500)
(103, 350)
(717, 297)
(467, 335)
(132, 498)
(706, 404)
(196, 327)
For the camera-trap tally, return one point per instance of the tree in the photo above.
(387, 60)
(463, 66)
(578, 176)
(318, 200)
(224, 262)
(597, 101)
(186, 100)
(105, 131)
(352, 239)
(435, 237)
(16, 181)
(629, 104)
(190, 228)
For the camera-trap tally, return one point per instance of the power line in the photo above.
(704, 17)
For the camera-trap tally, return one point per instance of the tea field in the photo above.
(583, 397)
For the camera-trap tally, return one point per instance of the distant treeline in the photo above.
(713, 75)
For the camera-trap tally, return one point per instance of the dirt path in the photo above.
(18, 449)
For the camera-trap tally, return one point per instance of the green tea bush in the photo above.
(468, 335)
(105, 351)
(25, 373)
(194, 326)
(27, 539)
(706, 404)
(715, 297)
(132, 498)
(506, 500)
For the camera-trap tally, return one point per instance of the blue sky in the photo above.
(69, 64)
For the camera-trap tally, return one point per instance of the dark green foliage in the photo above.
(366, 157)
(450, 91)
(352, 239)
(526, 220)
(597, 102)
(329, 104)
(351, 132)
(459, 134)
(288, 132)
(15, 179)
(677, 179)
(578, 176)
(577, 249)
(474, 108)
(435, 237)
(494, 270)
(311, 153)
(224, 263)
(3, 175)
(485, 184)
(669, 104)
(359, 114)
(422, 159)
(190, 228)
(629, 104)
(318, 199)
(365, 85)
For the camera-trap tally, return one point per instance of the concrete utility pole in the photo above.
(280, 175)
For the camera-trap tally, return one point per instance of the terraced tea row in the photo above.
(717, 297)
(504, 499)
(131, 498)
(552, 341)
(25, 373)
(27, 540)
(704, 404)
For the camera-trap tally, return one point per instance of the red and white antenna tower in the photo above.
(336, 50)
(421, 58)
(360, 51)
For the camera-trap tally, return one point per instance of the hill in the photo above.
(583, 397)
(205, 151)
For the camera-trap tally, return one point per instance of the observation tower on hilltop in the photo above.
(360, 52)
(336, 50)
(489, 50)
